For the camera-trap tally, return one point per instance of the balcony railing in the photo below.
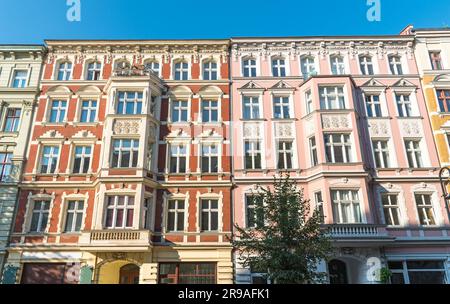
(117, 238)
(356, 231)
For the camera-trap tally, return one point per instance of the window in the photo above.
(395, 65)
(254, 217)
(365, 64)
(313, 151)
(281, 107)
(129, 103)
(319, 205)
(64, 71)
(284, 155)
(338, 148)
(436, 61)
(251, 107)
(125, 153)
(309, 102)
(153, 65)
(308, 66)
(175, 215)
(417, 272)
(119, 211)
(20, 79)
(332, 98)
(187, 273)
(278, 67)
(425, 209)
(346, 208)
(94, 70)
(210, 70)
(147, 213)
(404, 107)
(5, 166)
(258, 275)
(178, 155)
(82, 159)
(209, 215)
(381, 153)
(12, 120)
(443, 100)
(58, 111)
(39, 217)
(337, 65)
(390, 209)
(74, 218)
(179, 111)
(49, 160)
(210, 158)
(88, 110)
(181, 70)
(210, 110)
(249, 67)
(252, 154)
(373, 105)
(413, 153)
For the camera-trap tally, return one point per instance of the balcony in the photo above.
(127, 240)
(359, 233)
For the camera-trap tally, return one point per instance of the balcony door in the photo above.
(337, 271)
(129, 274)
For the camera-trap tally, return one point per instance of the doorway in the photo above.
(129, 274)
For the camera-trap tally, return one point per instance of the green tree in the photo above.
(287, 239)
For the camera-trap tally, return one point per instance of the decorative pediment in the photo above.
(59, 90)
(52, 134)
(84, 134)
(373, 83)
(177, 133)
(180, 91)
(89, 89)
(443, 79)
(281, 85)
(210, 91)
(251, 86)
(403, 83)
(210, 133)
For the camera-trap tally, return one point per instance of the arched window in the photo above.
(152, 65)
(395, 65)
(249, 67)
(94, 70)
(210, 70)
(337, 65)
(64, 70)
(308, 66)
(181, 71)
(278, 67)
(366, 65)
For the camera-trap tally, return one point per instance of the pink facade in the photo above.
(347, 118)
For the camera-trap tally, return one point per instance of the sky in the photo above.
(32, 21)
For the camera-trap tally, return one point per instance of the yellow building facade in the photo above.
(432, 52)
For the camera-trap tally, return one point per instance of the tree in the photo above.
(286, 239)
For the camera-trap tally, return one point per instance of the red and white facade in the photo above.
(114, 189)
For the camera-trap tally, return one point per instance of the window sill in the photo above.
(10, 134)
(409, 117)
(284, 119)
(253, 119)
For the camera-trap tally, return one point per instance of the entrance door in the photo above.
(338, 272)
(129, 274)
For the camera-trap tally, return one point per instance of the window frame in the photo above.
(114, 207)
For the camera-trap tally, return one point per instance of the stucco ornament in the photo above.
(378, 128)
(335, 121)
(126, 127)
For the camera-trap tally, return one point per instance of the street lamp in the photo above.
(444, 181)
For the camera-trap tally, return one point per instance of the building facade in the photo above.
(128, 177)
(20, 72)
(346, 117)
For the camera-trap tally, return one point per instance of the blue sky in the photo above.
(32, 21)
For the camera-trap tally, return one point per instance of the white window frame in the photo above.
(89, 109)
(181, 69)
(83, 156)
(253, 152)
(285, 153)
(249, 66)
(380, 150)
(121, 149)
(278, 66)
(417, 163)
(420, 209)
(209, 210)
(337, 67)
(366, 63)
(115, 207)
(76, 213)
(390, 206)
(393, 65)
(59, 108)
(281, 101)
(65, 70)
(340, 145)
(310, 66)
(252, 105)
(327, 92)
(51, 156)
(178, 155)
(209, 70)
(352, 217)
